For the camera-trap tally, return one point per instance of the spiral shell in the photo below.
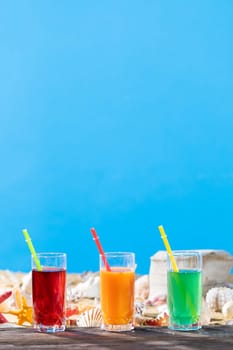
(217, 297)
(139, 308)
(90, 318)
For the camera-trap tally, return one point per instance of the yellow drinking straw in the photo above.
(168, 248)
(32, 250)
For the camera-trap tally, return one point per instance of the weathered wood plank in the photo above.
(212, 338)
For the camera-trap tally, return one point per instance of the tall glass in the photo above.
(48, 292)
(117, 291)
(184, 291)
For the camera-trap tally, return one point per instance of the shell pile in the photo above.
(219, 300)
(83, 303)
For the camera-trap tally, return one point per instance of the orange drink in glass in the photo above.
(117, 291)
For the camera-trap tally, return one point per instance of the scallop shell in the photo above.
(227, 310)
(90, 318)
(217, 297)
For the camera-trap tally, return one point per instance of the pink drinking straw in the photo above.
(100, 249)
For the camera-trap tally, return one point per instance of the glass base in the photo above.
(49, 329)
(185, 328)
(117, 327)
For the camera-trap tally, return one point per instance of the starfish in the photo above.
(3, 297)
(24, 311)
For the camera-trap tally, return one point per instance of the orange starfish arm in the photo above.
(24, 313)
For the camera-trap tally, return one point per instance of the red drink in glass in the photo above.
(49, 297)
(48, 292)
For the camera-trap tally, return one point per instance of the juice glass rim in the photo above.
(51, 253)
(57, 260)
(186, 254)
(118, 253)
(118, 259)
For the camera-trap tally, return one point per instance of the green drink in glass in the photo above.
(184, 291)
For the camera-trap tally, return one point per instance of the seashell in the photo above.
(90, 318)
(26, 284)
(139, 307)
(153, 310)
(142, 287)
(157, 300)
(205, 313)
(218, 296)
(88, 289)
(8, 279)
(227, 310)
(229, 323)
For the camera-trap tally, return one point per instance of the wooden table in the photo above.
(211, 337)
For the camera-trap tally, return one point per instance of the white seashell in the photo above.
(90, 318)
(217, 297)
(227, 310)
(8, 279)
(142, 287)
(88, 289)
(205, 313)
(26, 286)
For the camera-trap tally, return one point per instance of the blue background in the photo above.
(117, 115)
